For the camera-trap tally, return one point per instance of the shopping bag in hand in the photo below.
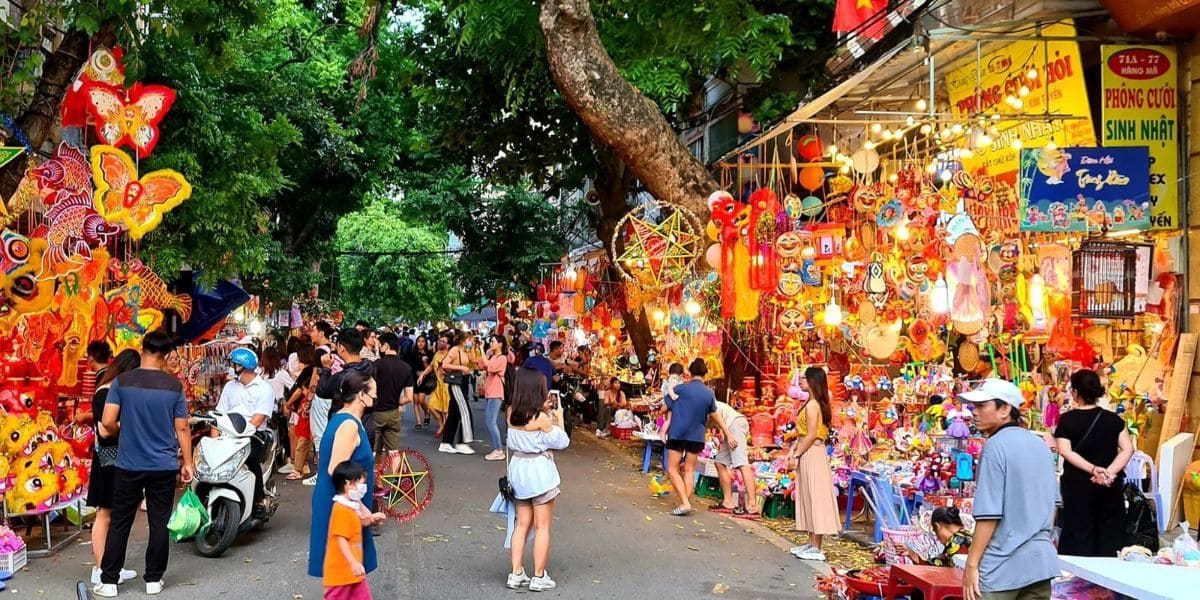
(190, 517)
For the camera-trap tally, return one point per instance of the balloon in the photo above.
(810, 206)
(812, 177)
(809, 147)
(712, 256)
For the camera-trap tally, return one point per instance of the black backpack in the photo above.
(1141, 524)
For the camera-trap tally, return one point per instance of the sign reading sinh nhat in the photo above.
(1141, 108)
(1084, 189)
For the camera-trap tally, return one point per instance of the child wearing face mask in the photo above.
(344, 576)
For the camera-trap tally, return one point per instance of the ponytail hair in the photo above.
(354, 382)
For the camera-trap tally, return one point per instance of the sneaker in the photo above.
(285, 469)
(105, 590)
(600, 433)
(495, 455)
(542, 584)
(803, 549)
(463, 449)
(813, 554)
(154, 587)
(447, 448)
(311, 481)
(126, 575)
(517, 580)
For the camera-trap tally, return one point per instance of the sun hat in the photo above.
(995, 389)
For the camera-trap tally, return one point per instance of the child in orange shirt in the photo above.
(345, 578)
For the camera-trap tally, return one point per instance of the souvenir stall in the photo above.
(70, 273)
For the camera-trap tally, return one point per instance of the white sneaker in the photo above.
(463, 449)
(447, 448)
(495, 455)
(286, 469)
(542, 584)
(105, 590)
(802, 549)
(311, 481)
(517, 580)
(126, 575)
(814, 554)
(154, 587)
(600, 433)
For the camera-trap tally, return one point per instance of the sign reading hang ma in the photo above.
(1085, 189)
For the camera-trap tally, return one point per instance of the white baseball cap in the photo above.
(995, 389)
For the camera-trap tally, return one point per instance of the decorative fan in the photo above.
(656, 243)
(137, 203)
(129, 117)
(403, 484)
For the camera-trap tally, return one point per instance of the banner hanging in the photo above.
(1084, 189)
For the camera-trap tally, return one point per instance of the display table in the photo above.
(1143, 581)
(935, 583)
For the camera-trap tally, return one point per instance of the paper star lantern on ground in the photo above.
(656, 244)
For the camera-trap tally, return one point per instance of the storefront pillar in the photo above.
(1191, 85)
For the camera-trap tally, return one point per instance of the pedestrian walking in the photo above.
(395, 381)
(439, 398)
(1096, 447)
(1012, 555)
(685, 434)
(344, 572)
(816, 498)
(533, 435)
(300, 405)
(102, 479)
(495, 366)
(458, 366)
(346, 440)
(152, 411)
(318, 414)
(419, 359)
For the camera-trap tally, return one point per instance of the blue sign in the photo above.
(1084, 189)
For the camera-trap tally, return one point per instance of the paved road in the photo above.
(611, 540)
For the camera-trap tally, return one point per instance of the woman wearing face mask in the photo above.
(457, 433)
(439, 398)
(345, 439)
(948, 527)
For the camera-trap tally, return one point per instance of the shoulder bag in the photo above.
(506, 489)
(455, 377)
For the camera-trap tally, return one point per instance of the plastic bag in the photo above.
(190, 517)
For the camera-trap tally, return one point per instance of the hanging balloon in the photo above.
(712, 256)
(810, 206)
(865, 161)
(745, 123)
(809, 147)
(812, 177)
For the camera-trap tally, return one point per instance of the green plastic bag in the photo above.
(189, 518)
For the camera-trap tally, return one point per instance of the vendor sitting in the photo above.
(948, 527)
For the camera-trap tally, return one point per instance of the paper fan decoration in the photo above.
(137, 203)
(655, 244)
(129, 117)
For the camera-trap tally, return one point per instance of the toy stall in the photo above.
(70, 274)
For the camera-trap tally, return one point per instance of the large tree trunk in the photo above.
(615, 112)
(57, 73)
(612, 185)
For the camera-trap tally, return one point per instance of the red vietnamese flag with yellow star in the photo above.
(849, 15)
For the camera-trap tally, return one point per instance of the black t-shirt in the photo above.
(392, 375)
(1101, 446)
(98, 399)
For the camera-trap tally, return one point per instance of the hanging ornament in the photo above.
(656, 252)
(809, 147)
(865, 161)
(129, 117)
(812, 177)
(138, 203)
(812, 206)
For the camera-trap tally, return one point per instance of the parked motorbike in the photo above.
(225, 485)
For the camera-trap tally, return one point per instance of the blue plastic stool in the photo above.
(649, 455)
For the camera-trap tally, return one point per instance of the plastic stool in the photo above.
(648, 456)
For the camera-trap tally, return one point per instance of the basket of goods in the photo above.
(12, 550)
(874, 581)
(898, 537)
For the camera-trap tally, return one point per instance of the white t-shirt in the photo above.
(728, 413)
(258, 398)
(281, 382)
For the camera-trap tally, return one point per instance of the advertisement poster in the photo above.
(1141, 108)
(1058, 89)
(1085, 189)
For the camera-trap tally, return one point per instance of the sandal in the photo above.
(741, 513)
(418, 426)
(294, 475)
(720, 508)
(682, 512)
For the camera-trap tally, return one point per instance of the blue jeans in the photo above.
(493, 422)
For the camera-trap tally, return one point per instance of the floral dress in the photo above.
(959, 543)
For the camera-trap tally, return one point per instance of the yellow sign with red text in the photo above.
(1141, 108)
(1000, 84)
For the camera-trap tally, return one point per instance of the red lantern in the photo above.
(554, 307)
(541, 292)
(809, 147)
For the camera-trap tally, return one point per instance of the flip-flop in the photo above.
(717, 508)
(682, 512)
(418, 426)
(741, 513)
(294, 475)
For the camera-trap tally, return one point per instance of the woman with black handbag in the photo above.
(102, 480)
(458, 366)
(1096, 446)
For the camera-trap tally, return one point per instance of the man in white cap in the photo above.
(1011, 557)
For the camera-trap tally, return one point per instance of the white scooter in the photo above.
(225, 485)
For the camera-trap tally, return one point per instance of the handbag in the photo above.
(105, 455)
(506, 489)
(455, 377)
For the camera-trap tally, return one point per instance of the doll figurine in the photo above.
(958, 416)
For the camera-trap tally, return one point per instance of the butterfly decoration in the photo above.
(138, 203)
(103, 66)
(129, 117)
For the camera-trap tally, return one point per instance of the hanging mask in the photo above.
(876, 283)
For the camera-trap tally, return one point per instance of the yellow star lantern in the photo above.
(656, 253)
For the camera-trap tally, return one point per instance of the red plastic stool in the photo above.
(935, 583)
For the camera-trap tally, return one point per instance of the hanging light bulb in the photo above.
(1050, 145)
(833, 314)
(932, 168)
(1017, 144)
(887, 134)
(876, 127)
(902, 232)
(922, 104)
(926, 129)
(946, 133)
(692, 307)
(1032, 74)
(892, 179)
(910, 121)
(996, 117)
(946, 175)
(659, 315)
(939, 302)
(966, 153)
(1024, 91)
(1018, 104)
(845, 169)
(956, 129)
(833, 149)
(985, 140)
(869, 145)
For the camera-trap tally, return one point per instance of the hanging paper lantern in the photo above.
(865, 161)
(745, 123)
(809, 147)
(712, 256)
(810, 206)
(542, 293)
(812, 177)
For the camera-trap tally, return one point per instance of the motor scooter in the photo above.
(225, 485)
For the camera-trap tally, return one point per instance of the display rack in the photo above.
(44, 518)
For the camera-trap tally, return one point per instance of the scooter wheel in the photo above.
(226, 516)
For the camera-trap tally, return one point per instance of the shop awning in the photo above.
(210, 308)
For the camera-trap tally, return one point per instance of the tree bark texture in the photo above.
(615, 112)
(612, 184)
(58, 71)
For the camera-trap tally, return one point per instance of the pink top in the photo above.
(493, 386)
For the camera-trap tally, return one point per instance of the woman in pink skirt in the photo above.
(816, 498)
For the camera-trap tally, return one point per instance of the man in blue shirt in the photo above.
(147, 407)
(544, 365)
(689, 412)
